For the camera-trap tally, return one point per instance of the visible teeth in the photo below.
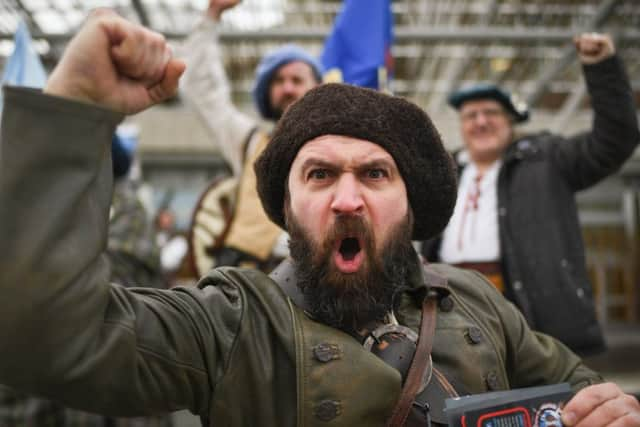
(349, 248)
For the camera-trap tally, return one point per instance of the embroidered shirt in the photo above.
(472, 233)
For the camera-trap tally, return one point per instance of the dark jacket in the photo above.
(541, 243)
(235, 349)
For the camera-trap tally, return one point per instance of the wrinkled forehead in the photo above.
(341, 149)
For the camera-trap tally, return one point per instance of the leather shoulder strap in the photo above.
(419, 363)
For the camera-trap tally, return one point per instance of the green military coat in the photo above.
(234, 350)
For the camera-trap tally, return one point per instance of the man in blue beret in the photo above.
(282, 77)
(515, 218)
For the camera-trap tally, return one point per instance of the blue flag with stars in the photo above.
(358, 50)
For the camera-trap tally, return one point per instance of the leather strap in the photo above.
(419, 363)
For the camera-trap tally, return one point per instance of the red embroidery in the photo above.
(471, 203)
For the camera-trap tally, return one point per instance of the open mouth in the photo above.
(349, 255)
(349, 248)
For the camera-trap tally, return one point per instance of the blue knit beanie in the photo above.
(268, 66)
(122, 152)
(120, 157)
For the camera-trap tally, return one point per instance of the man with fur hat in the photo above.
(516, 219)
(345, 172)
(282, 77)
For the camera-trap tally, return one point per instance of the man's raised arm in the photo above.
(206, 88)
(588, 157)
(64, 330)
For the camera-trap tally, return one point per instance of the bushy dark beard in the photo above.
(350, 301)
(278, 110)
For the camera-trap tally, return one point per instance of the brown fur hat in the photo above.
(400, 127)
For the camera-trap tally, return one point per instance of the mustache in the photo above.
(283, 103)
(346, 226)
(281, 106)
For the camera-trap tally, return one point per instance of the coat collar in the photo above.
(521, 147)
(285, 276)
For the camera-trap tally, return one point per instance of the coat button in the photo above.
(446, 304)
(502, 211)
(474, 335)
(492, 381)
(327, 410)
(517, 285)
(326, 352)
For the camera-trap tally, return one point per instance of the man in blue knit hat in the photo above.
(282, 77)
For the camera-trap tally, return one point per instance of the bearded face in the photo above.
(289, 83)
(348, 301)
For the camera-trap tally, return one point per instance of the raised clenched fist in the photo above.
(594, 47)
(116, 64)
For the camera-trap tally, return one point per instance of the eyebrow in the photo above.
(315, 162)
(381, 163)
(377, 164)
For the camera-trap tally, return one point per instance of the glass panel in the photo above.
(51, 21)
